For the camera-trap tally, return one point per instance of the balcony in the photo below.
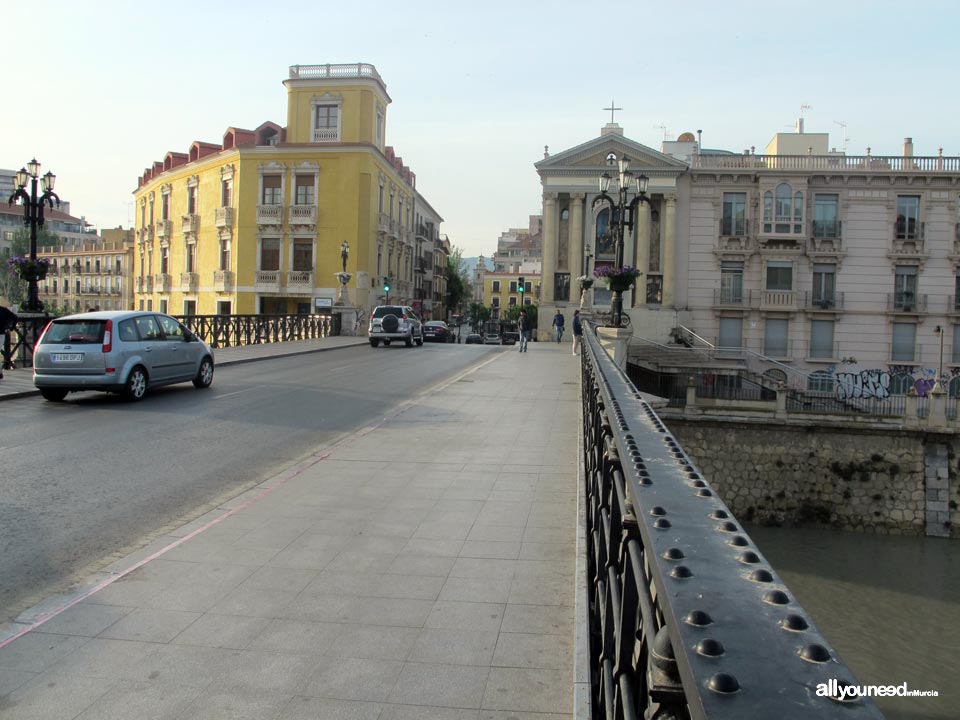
(302, 215)
(190, 224)
(162, 282)
(300, 281)
(268, 280)
(138, 284)
(778, 300)
(906, 301)
(189, 282)
(326, 135)
(164, 229)
(269, 214)
(383, 223)
(826, 229)
(223, 280)
(732, 298)
(826, 302)
(224, 217)
(147, 233)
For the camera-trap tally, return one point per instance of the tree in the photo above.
(514, 312)
(11, 286)
(458, 284)
(479, 314)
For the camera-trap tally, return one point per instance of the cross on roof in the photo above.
(612, 109)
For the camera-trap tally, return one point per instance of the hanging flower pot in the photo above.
(618, 279)
(28, 269)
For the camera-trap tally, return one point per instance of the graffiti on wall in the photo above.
(864, 384)
(881, 383)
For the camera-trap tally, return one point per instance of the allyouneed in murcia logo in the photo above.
(833, 688)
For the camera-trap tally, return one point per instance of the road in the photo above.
(92, 479)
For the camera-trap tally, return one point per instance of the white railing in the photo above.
(189, 282)
(269, 214)
(837, 163)
(162, 282)
(190, 223)
(303, 215)
(224, 217)
(300, 279)
(326, 135)
(352, 70)
(777, 298)
(223, 280)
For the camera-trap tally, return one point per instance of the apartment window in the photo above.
(528, 301)
(226, 193)
(775, 337)
(824, 283)
(163, 306)
(269, 254)
(905, 286)
(305, 190)
(189, 307)
(496, 286)
(379, 259)
(223, 307)
(908, 217)
(224, 255)
(164, 207)
(495, 302)
(191, 258)
(821, 339)
(327, 121)
(192, 200)
(513, 301)
(271, 190)
(151, 212)
(303, 255)
(826, 224)
(380, 199)
(561, 287)
(821, 381)
(379, 138)
(734, 221)
(513, 286)
(164, 261)
(731, 282)
(731, 332)
(783, 210)
(904, 342)
(779, 275)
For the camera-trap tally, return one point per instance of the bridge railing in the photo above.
(687, 618)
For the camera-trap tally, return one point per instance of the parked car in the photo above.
(395, 322)
(474, 339)
(509, 334)
(438, 331)
(119, 351)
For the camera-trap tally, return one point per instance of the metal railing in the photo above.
(232, 330)
(838, 163)
(687, 618)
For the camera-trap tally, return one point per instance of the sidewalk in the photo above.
(420, 569)
(19, 382)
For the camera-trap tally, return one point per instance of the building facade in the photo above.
(845, 268)
(501, 291)
(91, 275)
(255, 224)
(521, 249)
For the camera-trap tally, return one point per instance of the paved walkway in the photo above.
(420, 569)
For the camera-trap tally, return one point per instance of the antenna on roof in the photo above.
(663, 129)
(846, 139)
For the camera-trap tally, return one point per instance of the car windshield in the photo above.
(74, 332)
(385, 310)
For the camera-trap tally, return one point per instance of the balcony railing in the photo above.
(165, 229)
(838, 163)
(269, 214)
(383, 223)
(190, 223)
(302, 215)
(138, 284)
(223, 280)
(735, 227)
(224, 217)
(162, 282)
(325, 135)
(300, 280)
(826, 228)
(909, 230)
(349, 70)
(189, 282)
(822, 301)
(906, 301)
(732, 297)
(785, 299)
(268, 279)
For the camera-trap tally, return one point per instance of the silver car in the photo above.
(121, 351)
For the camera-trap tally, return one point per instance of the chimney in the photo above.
(908, 147)
(800, 126)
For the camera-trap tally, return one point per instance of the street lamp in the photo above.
(344, 253)
(622, 211)
(343, 276)
(33, 218)
(937, 386)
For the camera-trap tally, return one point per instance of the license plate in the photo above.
(68, 357)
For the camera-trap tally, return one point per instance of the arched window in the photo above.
(604, 240)
(953, 389)
(783, 210)
(900, 384)
(821, 381)
(776, 375)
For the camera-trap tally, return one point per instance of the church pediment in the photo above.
(593, 154)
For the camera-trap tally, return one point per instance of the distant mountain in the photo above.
(471, 262)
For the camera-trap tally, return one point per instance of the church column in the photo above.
(575, 242)
(643, 253)
(550, 242)
(669, 250)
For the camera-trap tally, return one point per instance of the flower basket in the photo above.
(619, 284)
(585, 282)
(618, 279)
(343, 277)
(28, 269)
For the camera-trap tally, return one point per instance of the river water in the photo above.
(889, 605)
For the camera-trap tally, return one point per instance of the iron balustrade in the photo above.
(687, 618)
(231, 330)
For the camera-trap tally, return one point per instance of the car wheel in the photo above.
(420, 340)
(53, 394)
(136, 386)
(204, 374)
(409, 341)
(374, 343)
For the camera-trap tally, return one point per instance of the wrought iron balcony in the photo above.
(269, 214)
(224, 217)
(906, 301)
(826, 229)
(732, 297)
(733, 227)
(822, 301)
(910, 230)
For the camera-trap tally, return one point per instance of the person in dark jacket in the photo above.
(558, 324)
(523, 324)
(8, 321)
(577, 331)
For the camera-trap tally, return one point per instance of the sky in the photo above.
(104, 88)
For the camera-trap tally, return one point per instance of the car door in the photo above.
(153, 350)
(183, 356)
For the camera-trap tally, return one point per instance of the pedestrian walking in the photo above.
(524, 325)
(558, 324)
(577, 331)
(8, 321)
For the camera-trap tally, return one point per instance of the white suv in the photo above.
(395, 322)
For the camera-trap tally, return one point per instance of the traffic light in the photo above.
(386, 284)
(520, 285)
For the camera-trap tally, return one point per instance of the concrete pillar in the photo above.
(643, 253)
(575, 243)
(668, 248)
(550, 243)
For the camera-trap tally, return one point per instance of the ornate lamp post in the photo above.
(622, 217)
(343, 276)
(33, 218)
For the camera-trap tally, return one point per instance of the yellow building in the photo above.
(92, 274)
(501, 291)
(256, 223)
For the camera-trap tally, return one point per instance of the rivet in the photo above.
(728, 527)
(794, 623)
(657, 511)
(681, 572)
(674, 554)
(698, 484)
(723, 683)
(739, 541)
(815, 653)
(710, 647)
(848, 699)
(645, 481)
(662, 524)
(698, 618)
(749, 557)
(763, 576)
(776, 597)
(719, 515)
(703, 492)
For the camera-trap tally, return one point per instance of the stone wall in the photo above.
(863, 479)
